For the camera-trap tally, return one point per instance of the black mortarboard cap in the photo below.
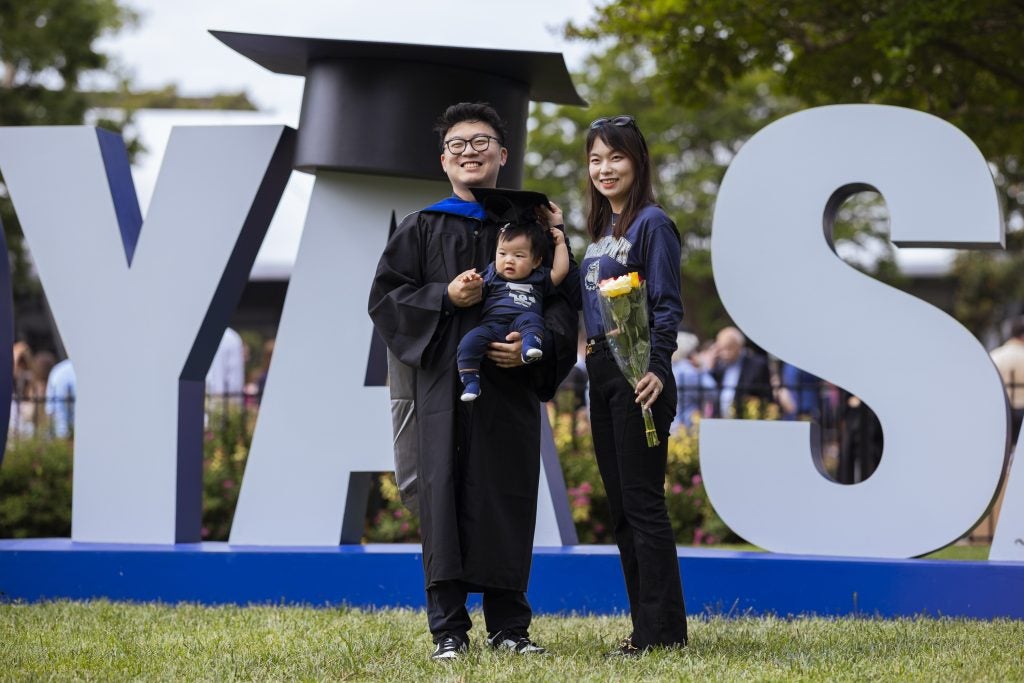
(369, 107)
(504, 205)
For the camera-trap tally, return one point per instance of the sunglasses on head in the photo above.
(622, 120)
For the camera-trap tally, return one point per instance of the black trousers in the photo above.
(504, 610)
(634, 477)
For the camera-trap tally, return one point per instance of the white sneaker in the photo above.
(521, 645)
(449, 647)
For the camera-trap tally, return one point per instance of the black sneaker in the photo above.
(625, 649)
(520, 644)
(449, 647)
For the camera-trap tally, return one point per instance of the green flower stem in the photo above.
(652, 435)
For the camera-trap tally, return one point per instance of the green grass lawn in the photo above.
(105, 641)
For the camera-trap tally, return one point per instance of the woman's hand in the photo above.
(466, 289)
(648, 389)
(550, 215)
(507, 355)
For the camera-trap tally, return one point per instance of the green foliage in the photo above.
(168, 98)
(104, 641)
(691, 145)
(226, 442)
(961, 61)
(989, 287)
(694, 521)
(35, 489)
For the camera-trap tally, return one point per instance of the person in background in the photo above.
(695, 386)
(22, 405)
(1009, 360)
(739, 374)
(226, 377)
(60, 398)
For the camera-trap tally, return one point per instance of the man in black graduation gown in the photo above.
(478, 463)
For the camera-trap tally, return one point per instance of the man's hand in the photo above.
(550, 215)
(466, 289)
(507, 355)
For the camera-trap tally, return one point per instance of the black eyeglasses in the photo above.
(623, 120)
(478, 142)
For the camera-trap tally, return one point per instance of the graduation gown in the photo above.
(478, 464)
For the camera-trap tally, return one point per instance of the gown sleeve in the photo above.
(409, 313)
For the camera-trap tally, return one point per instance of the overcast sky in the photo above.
(172, 44)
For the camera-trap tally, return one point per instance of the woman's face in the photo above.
(612, 173)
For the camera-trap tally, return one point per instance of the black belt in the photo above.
(595, 343)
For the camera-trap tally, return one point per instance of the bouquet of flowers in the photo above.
(623, 302)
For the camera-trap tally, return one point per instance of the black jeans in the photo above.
(504, 610)
(634, 477)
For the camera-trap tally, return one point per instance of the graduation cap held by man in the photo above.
(507, 206)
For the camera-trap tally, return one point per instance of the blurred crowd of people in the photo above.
(725, 377)
(44, 393)
(43, 401)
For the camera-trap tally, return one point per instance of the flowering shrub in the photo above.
(226, 442)
(693, 519)
(35, 485)
(35, 489)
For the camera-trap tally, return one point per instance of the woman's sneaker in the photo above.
(625, 649)
(449, 647)
(512, 642)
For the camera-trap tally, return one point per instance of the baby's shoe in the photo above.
(531, 348)
(471, 387)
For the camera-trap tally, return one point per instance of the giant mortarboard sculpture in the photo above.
(365, 132)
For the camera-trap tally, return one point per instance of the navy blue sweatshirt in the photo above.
(651, 247)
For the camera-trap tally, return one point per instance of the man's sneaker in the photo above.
(521, 645)
(625, 649)
(449, 647)
(471, 390)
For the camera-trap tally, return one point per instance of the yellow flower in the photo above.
(617, 286)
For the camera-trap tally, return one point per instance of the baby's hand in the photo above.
(557, 235)
(470, 276)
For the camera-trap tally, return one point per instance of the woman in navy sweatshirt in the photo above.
(630, 232)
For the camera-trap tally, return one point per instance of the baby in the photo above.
(514, 287)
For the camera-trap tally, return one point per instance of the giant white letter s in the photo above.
(938, 396)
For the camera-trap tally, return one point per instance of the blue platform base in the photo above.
(583, 579)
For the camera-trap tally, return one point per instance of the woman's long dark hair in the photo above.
(630, 141)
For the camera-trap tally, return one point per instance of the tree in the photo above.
(691, 145)
(960, 60)
(46, 49)
(48, 53)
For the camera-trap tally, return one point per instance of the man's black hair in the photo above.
(470, 111)
(538, 240)
(1017, 327)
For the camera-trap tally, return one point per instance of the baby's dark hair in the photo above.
(538, 241)
(470, 111)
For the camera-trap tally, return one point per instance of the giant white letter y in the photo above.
(141, 308)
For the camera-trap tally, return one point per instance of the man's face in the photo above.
(472, 168)
(728, 348)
